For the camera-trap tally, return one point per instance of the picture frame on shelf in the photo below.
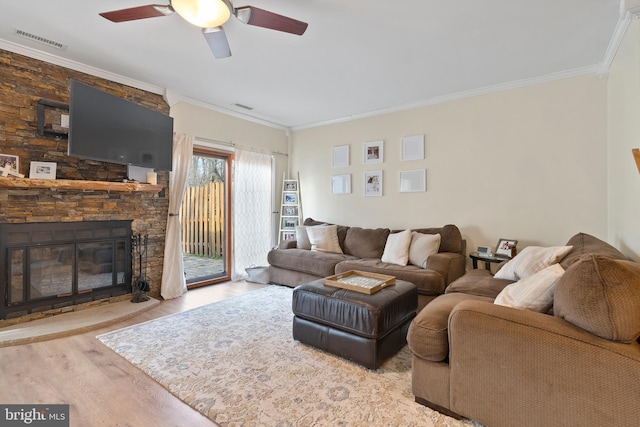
(9, 165)
(373, 183)
(290, 185)
(290, 198)
(374, 152)
(340, 156)
(288, 235)
(290, 211)
(42, 170)
(341, 184)
(504, 247)
(413, 147)
(289, 223)
(414, 181)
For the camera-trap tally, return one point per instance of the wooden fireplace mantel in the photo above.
(76, 185)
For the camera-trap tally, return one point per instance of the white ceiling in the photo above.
(356, 58)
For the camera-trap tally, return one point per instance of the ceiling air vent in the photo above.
(40, 39)
(244, 106)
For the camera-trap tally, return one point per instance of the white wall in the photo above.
(526, 164)
(624, 134)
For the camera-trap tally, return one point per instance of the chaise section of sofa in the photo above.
(577, 364)
(362, 249)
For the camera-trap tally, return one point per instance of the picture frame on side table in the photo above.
(374, 152)
(503, 248)
(341, 184)
(340, 156)
(373, 183)
(42, 170)
(413, 181)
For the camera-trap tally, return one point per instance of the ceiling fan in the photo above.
(210, 15)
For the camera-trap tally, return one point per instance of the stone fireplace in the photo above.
(44, 266)
(84, 190)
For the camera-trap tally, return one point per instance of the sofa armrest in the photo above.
(288, 244)
(449, 264)
(537, 367)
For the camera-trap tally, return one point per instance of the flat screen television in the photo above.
(107, 128)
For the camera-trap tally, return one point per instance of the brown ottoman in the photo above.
(365, 329)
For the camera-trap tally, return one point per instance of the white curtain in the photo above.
(252, 209)
(174, 283)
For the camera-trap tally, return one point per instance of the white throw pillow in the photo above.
(396, 250)
(324, 238)
(535, 293)
(531, 260)
(302, 238)
(422, 246)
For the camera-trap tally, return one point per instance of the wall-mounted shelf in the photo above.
(76, 185)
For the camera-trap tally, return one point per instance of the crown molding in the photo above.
(77, 66)
(460, 95)
(629, 10)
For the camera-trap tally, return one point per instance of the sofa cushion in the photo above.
(534, 293)
(428, 282)
(365, 242)
(531, 260)
(396, 250)
(324, 238)
(302, 238)
(583, 244)
(451, 238)
(422, 246)
(320, 264)
(478, 282)
(601, 295)
(428, 335)
(342, 229)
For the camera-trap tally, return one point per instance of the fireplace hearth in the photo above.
(46, 266)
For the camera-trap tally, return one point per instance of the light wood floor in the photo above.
(102, 388)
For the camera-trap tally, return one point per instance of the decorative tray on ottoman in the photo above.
(360, 281)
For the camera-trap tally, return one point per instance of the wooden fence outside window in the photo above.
(202, 217)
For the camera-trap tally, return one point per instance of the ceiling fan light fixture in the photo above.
(202, 13)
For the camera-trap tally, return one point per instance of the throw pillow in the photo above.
(602, 296)
(531, 260)
(302, 238)
(535, 293)
(396, 250)
(324, 238)
(422, 246)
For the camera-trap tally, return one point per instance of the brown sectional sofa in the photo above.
(362, 250)
(576, 365)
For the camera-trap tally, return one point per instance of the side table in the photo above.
(488, 260)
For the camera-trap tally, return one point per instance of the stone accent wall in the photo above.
(23, 82)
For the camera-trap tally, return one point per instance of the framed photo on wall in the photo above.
(413, 147)
(341, 184)
(340, 156)
(413, 181)
(374, 152)
(373, 183)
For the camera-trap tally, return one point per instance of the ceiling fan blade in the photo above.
(218, 42)
(263, 18)
(140, 12)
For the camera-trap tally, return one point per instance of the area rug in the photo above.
(235, 361)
